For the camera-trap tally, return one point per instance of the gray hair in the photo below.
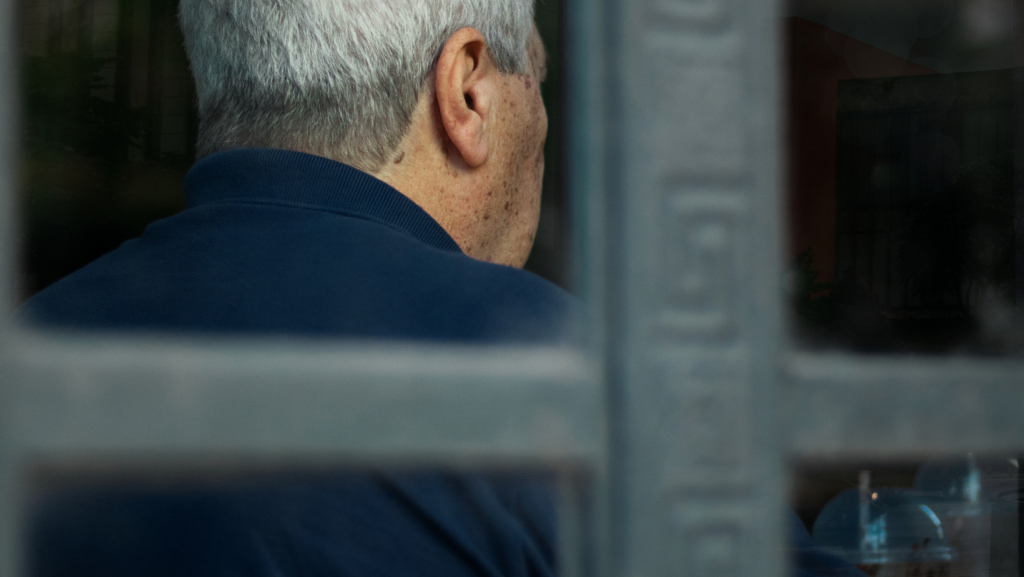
(337, 78)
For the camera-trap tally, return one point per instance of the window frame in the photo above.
(674, 117)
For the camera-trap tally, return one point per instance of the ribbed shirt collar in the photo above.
(288, 178)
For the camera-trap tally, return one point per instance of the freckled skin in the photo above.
(491, 210)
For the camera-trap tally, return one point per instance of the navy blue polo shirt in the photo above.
(282, 242)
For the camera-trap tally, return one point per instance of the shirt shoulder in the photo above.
(272, 268)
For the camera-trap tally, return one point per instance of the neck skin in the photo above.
(429, 170)
(473, 157)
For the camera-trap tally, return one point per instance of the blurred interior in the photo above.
(905, 176)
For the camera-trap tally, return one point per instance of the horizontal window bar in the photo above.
(850, 406)
(298, 399)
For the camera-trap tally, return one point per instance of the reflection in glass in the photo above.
(903, 175)
(953, 516)
(892, 528)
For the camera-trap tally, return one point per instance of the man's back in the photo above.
(284, 242)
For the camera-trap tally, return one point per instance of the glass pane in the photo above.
(110, 129)
(956, 515)
(905, 174)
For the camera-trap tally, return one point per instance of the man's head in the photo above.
(439, 98)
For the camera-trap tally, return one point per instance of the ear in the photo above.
(466, 94)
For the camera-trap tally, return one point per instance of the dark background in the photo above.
(906, 175)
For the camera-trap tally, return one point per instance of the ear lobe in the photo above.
(463, 71)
